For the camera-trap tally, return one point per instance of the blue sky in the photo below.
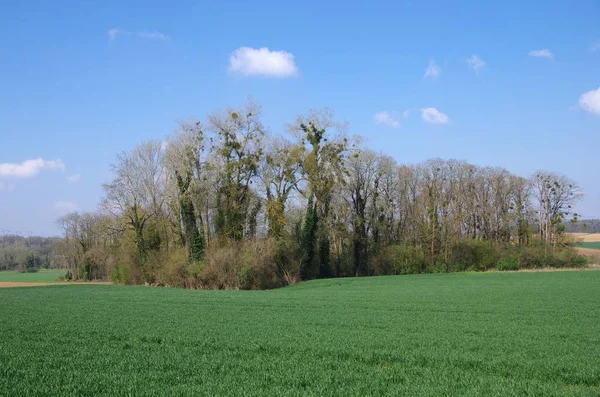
(82, 81)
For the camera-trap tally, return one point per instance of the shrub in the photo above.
(247, 265)
(539, 255)
(508, 263)
(474, 255)
(68, 276)
(399, 259)
(118, 274)
(31, 264)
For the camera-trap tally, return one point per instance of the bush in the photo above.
(173, 269)
(399, 259)
(474, 255)
(68, 276)
(31, 264)
(539, 255)
(247, 265)
(508, 263)
(118, 275)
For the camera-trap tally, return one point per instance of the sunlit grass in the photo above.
(458, 334)
(42, 276)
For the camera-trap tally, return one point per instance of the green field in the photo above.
(593, 245)
(460, 334)
(42, 276)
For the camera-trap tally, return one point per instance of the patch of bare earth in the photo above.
(585, 237)
(591, 253)
(10, 284)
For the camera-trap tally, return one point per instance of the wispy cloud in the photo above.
(475, 63)
(74, 178)
(545, 53)
(6, 187)
(246, 61)
(144, 34)
(387, 118)
(590, 101)
(595, 46)
(114, 32)
(433, 70)
(66, 206)
(406, 113)
(29, 168)
(154, 35)
(433, 116)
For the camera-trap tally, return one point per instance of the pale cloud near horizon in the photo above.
(144, 34)
(66, 206)
(433, 116)
(6, 187)
(433, 70)
(544, 53)
(387, 118)
(29, 168)
(246, 61)
(590, 101)
(154, 35)
(475, 63)
(74, 178)
(114, 32)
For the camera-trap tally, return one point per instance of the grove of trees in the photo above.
(221, 203)
(27, 254)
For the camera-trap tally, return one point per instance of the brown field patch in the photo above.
(594, 254)
(585, 237)
(11, 284)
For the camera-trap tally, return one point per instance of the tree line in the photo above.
(27, 254)
(222, 203)
(584, 226)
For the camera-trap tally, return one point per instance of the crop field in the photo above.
(429, 335)
(42, 276)
(590, 245)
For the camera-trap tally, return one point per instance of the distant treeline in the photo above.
(584, 226)
(27, 253)
(224, 204)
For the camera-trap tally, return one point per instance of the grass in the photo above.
(42, 276)
(429, 335)
(592, 245)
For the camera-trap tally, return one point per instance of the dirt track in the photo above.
(10, 284)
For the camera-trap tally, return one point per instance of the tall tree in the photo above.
(238, 150)
(136, 193)
(323, 167)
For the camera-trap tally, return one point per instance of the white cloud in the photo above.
(6, 187)
(406, 113)
(29, 168)
(144, 34)
(475, 63)
(248, 61)
(114, 32)
(545, 53)
(590, 101)
(595, 46)
(154, 35)
(74, 178)
(433, 116)
(387, 118)
(67, 206)
(433, 70)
